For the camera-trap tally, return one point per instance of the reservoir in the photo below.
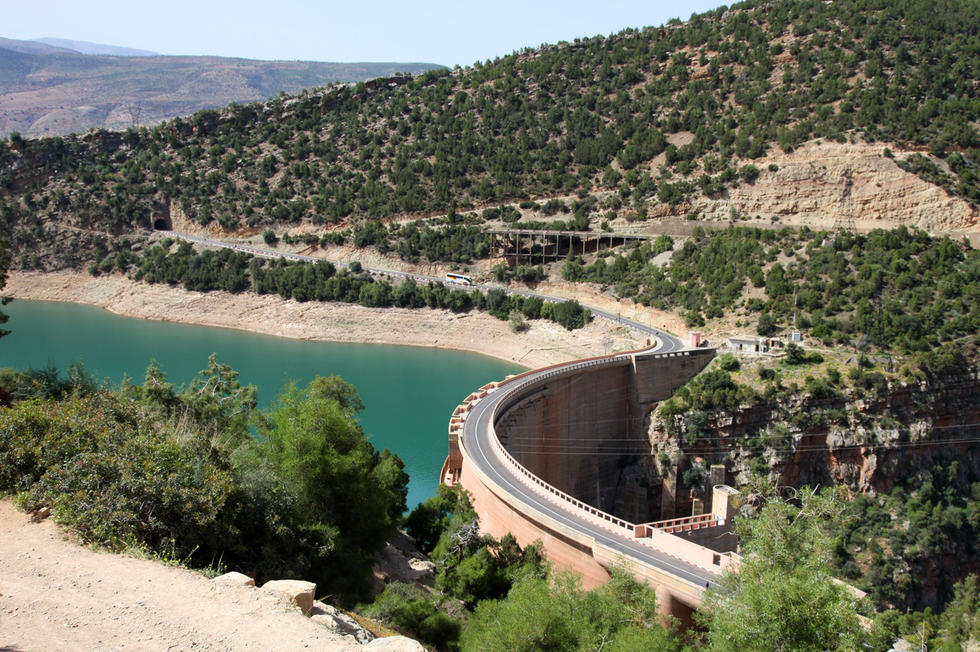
(408, 392)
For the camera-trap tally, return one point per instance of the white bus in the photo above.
(458, 279)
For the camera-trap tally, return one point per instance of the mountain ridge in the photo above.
(48, 90)
(87, 47)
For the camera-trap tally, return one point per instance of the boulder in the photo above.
(395, 644)
(299, 592)
(402, 561)
(233, 579)
(337, 621)
(41, 514)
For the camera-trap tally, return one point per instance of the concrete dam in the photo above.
(542, 454)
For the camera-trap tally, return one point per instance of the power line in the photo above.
(804, 448)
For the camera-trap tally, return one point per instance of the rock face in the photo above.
(854, 185)
(863, 442)
(402, 561)
(299, 592)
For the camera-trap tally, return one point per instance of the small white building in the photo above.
(743, 344)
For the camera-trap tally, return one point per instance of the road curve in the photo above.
(478, 440)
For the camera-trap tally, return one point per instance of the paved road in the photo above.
(668, 341)
(477, 431)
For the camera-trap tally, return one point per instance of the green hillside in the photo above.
(571, 117)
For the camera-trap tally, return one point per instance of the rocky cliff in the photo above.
(827, 185)
(863, 440)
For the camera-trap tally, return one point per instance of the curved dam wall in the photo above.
(569, 428)
(578, 432)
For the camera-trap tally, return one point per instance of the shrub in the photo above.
(411, 608)
(729, 362)
(517, 321)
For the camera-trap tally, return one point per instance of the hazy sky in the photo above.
(432, 31)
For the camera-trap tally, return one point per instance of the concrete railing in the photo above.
(687, 522)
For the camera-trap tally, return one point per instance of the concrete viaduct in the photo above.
(534, 450)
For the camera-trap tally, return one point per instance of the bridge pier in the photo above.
(669, 605)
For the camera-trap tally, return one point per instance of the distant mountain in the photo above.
(47, 88)
(84, 47)
(29, 47)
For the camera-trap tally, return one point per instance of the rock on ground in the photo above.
(394, 644)
(299, 592)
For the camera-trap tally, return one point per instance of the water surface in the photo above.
(408, 392)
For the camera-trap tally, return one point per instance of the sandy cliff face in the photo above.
(822, 185)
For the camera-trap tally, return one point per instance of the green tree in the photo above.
(782, 596)
(960, 624)
(216, 399)
(426, 523)
(350, 496)
(4, 264)
(554, 613)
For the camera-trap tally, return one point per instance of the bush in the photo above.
(796, 355)
(570, 314)
(411, 608)
(426, 523)
(767, 325)
(517, 321)
(749, 172)
(114, 476)
(728, 362)
(176, 473)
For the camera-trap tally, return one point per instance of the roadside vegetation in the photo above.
(236, 272)
(176, 472)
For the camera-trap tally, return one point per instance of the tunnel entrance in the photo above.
(162, 223)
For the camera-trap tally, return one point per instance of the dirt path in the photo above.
(57, 595)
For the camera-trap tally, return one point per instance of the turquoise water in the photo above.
(408, 392)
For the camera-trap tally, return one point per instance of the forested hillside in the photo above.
(657, 115)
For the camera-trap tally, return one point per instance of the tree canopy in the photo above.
(783, 595)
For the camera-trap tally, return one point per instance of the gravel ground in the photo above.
(58, 595)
